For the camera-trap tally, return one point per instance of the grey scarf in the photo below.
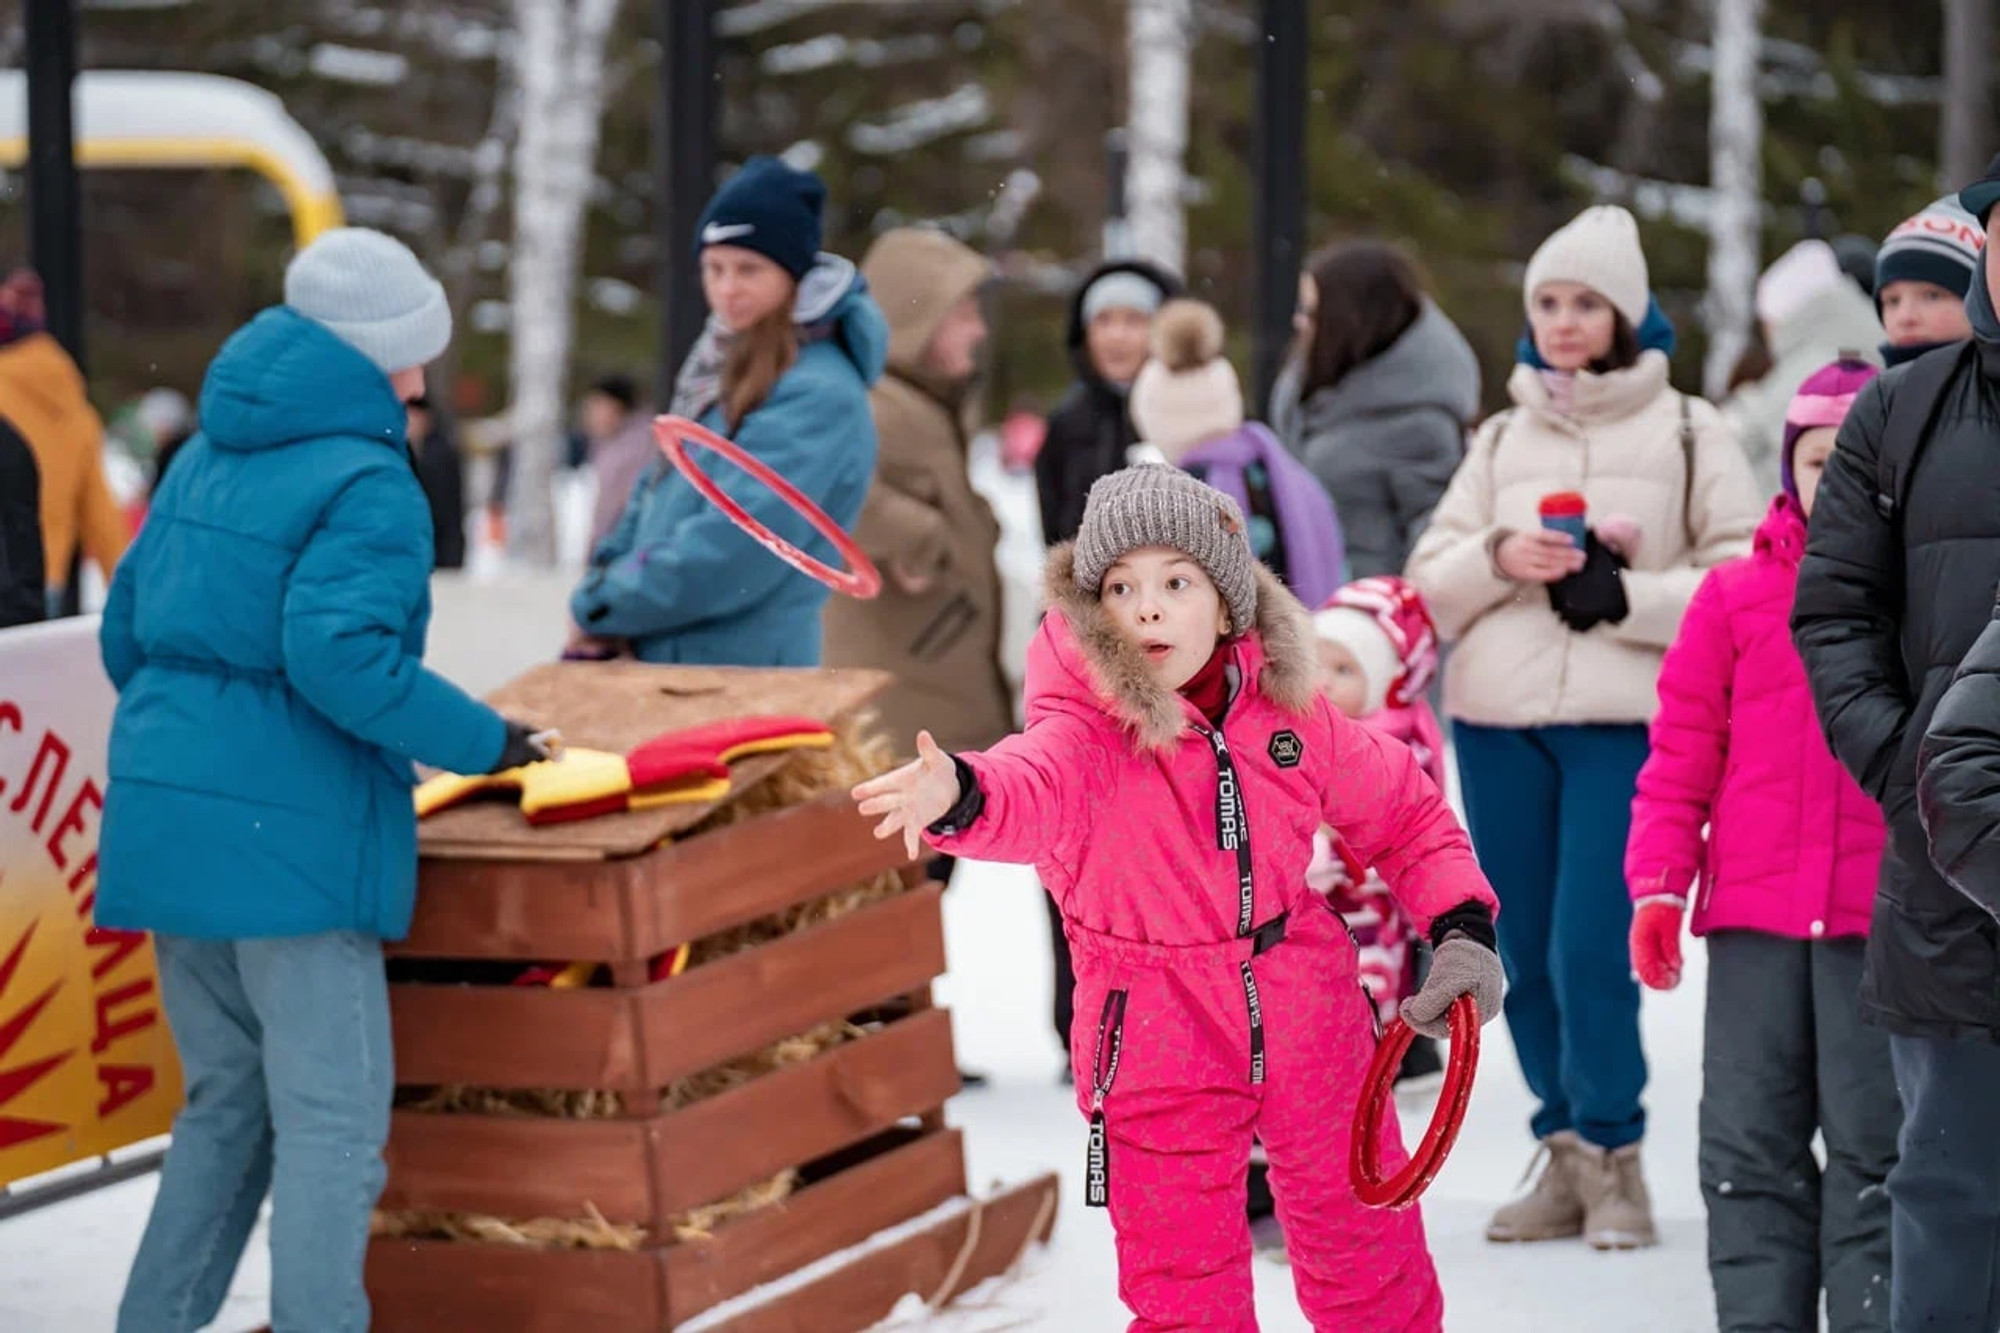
(698, 387)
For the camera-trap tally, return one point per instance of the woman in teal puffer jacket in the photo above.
(792, 345)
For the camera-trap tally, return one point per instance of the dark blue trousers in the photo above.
(1549, 809)
(1944, 1191)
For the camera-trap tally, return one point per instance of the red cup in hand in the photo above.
(1566, 512)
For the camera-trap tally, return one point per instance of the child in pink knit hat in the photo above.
(1744, 815)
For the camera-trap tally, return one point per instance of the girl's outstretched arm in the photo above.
(1023, 800)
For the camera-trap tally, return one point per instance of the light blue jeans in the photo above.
(284, 1044)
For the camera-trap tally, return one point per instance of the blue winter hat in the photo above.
(375, 296)
(768, 207)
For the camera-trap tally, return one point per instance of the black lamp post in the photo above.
(684, 157)
(55, 241)
(1283, 60)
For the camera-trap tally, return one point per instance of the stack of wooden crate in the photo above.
(874, 1204)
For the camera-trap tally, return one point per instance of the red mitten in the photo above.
(1656, 941)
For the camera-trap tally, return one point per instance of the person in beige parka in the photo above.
(936, 624)
(1553, 681)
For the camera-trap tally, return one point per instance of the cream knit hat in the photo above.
(1795, 278)
(1600, 249)
(1188, 391)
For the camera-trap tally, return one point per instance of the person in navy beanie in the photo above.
(783, 368)
(266, 637)
(769, 208)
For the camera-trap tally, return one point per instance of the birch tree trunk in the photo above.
(559, 56)
(1161, 36)
(1736, 168)
(1966, 129)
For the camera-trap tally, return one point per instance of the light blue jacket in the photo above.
(266, 636)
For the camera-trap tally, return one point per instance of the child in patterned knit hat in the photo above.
(1378, 653)
(1177, 752)
(1922, 274)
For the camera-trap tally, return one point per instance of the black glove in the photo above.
(519, 749)
(1595, 594)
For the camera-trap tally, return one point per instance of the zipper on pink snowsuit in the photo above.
(1110, 1042)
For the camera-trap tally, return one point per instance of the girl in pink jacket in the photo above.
(1741, 803)
(1177, 758)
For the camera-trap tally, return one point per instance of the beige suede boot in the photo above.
(1617, 1211)
(1553, 1209)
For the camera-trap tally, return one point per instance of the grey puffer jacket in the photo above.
(1387, 438)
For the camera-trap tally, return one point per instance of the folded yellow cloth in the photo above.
(580, 777)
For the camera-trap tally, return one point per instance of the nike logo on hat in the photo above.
(717, 232)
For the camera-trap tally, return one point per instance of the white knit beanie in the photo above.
(1188, 392)
(1362, 634)
(1601, 250)
(374, 294)
(1796, 277)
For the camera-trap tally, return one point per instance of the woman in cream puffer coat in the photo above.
(1553, 681)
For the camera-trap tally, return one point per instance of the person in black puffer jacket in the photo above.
(23, 599)
(1110, 320)
(1892, 593)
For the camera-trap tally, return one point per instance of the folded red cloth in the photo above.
(708, 750)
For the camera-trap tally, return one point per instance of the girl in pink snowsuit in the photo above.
(1167, 788)
(1742, 806)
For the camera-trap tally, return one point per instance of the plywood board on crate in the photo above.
(646, 1037)
(938, 1262)
(641, 1171)
(639, 907)
(422, 1286)
(616, 706)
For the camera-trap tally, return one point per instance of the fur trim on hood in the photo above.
(1153, 714)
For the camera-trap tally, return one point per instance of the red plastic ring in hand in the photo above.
(1378, 1100)
(860, 578)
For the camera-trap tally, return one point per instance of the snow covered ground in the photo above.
(61, 1268)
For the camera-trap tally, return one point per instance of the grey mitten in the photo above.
(1459, 966)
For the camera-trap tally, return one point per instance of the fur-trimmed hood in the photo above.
(1277, 654)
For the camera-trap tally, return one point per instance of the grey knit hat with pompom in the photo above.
(1156, 505)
